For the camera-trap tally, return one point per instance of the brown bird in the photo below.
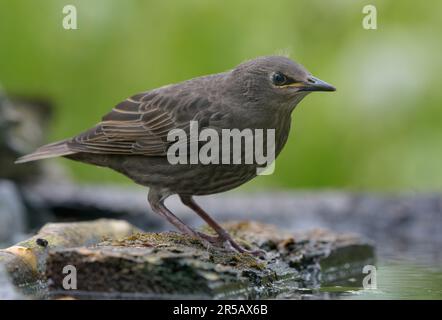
(132, 138)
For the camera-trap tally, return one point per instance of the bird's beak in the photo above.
(315, 84)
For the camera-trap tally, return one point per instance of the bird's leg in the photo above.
(157, 203)
(223, 235)
(180, 225)
(212, 239)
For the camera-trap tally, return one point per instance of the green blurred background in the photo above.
(382, 129)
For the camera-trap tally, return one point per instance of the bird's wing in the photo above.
(140, 125)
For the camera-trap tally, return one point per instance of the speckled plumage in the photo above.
(132, 138)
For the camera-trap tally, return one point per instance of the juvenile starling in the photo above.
(132, 138)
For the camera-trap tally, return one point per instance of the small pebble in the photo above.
(42, 242)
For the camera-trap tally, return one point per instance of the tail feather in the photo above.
(52, 150)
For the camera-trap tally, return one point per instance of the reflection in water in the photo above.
(405, 280)
(396, 279)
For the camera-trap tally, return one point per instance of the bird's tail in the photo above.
(51, 150)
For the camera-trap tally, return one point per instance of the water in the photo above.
(403, 280)
(395, 279)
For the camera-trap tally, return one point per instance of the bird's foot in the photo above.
(214, 240)
(240, 249)
(227, 241)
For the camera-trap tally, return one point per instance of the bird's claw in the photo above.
(227, 241)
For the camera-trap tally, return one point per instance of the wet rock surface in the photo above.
(25, 262)
(172, 265)
(7, 290)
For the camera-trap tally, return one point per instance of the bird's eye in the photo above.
(279, 79)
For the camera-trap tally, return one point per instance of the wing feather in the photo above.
(139, 125)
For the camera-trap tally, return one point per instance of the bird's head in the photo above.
(276, 79)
